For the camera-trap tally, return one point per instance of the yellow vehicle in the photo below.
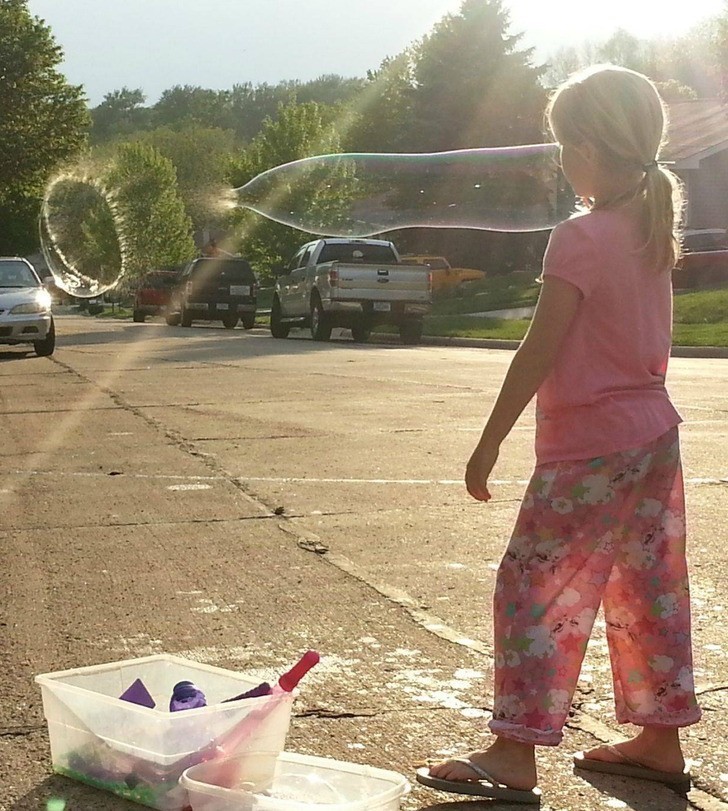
(445, 277)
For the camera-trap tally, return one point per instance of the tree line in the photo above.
(469, 83)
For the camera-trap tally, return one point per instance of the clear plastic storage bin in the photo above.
(289, 782)
(139, 753)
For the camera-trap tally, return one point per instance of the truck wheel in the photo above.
(361, 331)
(185, 317)
(138, 317)
(411, 332)
(277, 328)
(320, 321)
(172, 319)
(46, 347)
(230, 321)
(248, 320)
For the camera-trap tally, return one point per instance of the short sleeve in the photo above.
(571, 255)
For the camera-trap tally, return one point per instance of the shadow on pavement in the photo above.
(638, 795)
(74, 795)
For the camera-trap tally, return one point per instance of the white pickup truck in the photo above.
(352, 283)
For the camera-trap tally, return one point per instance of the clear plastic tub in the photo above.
(139, 753)
(286, 781)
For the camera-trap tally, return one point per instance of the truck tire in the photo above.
(248, 320)
(277, 328)
(138, 317)
(46, 347)
(410, 332)
(320, 322)
(172, 319)
(360, 331)
(185, 318)
(230, 321)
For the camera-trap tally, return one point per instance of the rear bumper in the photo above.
(218, 309)
(378, 309)
(19, 329)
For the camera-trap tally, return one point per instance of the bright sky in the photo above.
(155, 44)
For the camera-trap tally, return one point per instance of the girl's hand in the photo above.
(478, 470)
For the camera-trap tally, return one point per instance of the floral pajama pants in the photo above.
(608, 530)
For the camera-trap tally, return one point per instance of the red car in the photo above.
(153, 293)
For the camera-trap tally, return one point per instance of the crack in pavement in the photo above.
(21, 732)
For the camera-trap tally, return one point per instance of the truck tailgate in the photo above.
(382, 282)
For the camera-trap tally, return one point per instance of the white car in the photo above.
(25, 307)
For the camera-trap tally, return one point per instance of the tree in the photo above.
(43, 121)
(201, 157)
(626, 50)
(330, 89)
(187, 104)
(299, 131)
(720, 49)
(383, 107)
(154, 227)
(120, 113)
(250, 105)
(473, 87)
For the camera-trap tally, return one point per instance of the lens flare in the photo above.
(518, 188)
(80, 235)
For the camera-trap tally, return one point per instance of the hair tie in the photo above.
(651, 165)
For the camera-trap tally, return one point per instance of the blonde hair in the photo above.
(620, 113)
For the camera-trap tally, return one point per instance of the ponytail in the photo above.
(662, 215)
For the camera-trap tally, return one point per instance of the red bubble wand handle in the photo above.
(289, 680)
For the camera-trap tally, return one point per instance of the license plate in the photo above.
(221, 306)
(239, 289)
(382, 306)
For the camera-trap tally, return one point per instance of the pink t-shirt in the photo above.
(606, 392)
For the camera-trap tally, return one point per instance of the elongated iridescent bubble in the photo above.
(517, 188)
(80, 237)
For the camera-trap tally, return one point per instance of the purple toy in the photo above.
(186, 696)
(137, 693)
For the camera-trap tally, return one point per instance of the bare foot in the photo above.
(654, 748)
(510, 763)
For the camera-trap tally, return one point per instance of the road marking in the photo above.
(296, 479)
(189, 487)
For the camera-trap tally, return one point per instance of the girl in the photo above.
(602, 519)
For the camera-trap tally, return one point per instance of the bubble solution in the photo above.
(518, 189)
(80, 236)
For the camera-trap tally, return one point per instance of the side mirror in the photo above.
(278, 270)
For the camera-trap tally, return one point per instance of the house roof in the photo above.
(697, 129)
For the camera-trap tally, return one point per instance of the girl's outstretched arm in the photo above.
(556, 308)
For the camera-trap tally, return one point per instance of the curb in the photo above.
(493, 343)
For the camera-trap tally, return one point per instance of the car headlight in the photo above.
(42, 304)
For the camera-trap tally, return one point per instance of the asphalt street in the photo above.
(237, 499)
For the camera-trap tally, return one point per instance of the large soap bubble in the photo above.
(80, 237)
(518, 188)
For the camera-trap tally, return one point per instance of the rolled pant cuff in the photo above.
(522, 734)
(681, 719)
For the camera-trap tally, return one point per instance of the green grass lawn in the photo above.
(493, 293)
(701, 317)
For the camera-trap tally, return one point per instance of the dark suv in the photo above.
(215, 289)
